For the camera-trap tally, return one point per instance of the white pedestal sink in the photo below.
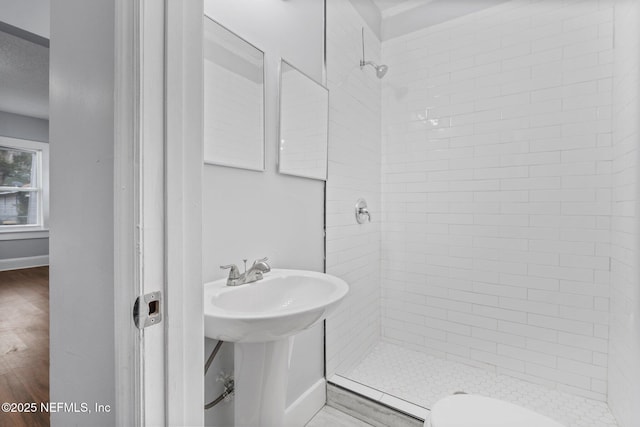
(261, 318)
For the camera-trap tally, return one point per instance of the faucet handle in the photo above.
(364, 212)
(234, 273)
(262, 265)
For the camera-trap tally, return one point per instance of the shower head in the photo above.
(381, 70)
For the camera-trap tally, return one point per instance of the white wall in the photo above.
(24, 127)
(624, 345)
(254, 214)
(23, 248)
(30, 15)
(82, 365)
(353, 250)
(496, 191)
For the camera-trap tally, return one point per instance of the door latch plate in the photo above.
(149, 312)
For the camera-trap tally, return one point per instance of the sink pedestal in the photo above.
(262, 319)
(261, 377)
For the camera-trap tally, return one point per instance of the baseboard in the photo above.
(26, 262)
(306, 406)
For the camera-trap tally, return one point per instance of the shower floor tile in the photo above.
(422, 379)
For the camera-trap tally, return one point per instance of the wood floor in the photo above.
(24, 343)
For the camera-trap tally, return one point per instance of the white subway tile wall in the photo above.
(496, 188)
(353, 250)
(624, 343)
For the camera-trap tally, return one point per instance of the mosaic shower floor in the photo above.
(422, 380)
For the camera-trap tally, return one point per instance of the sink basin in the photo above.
(282, 304)
(261, 318)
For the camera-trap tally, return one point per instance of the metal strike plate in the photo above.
(149, 312)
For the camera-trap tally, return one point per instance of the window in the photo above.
(24, 187)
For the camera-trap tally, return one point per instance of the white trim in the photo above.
(183, 206)
(27, 233)
(152, 197)
(26, 144)
(26, 262)
(300, 412)
(128, 372)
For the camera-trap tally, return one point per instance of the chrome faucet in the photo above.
(255, 273)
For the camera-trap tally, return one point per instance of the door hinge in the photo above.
(149, 312)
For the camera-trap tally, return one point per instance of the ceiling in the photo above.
(393, 7)
(24, 81)
(400, 17)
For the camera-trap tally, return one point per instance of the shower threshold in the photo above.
(411, 382)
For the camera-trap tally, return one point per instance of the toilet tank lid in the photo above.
(463, 410)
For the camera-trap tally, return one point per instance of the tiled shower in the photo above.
(499, 160)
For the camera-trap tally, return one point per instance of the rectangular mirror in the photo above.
(304, 124)
(233, 99)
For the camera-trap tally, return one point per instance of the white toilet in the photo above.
(468, 410)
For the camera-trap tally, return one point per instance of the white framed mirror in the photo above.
(233, 99)
(304, 124)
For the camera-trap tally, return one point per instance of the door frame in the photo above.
(184, 169)
(181, 370)
(127, 284)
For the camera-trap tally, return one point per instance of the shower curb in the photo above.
(370, 411)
